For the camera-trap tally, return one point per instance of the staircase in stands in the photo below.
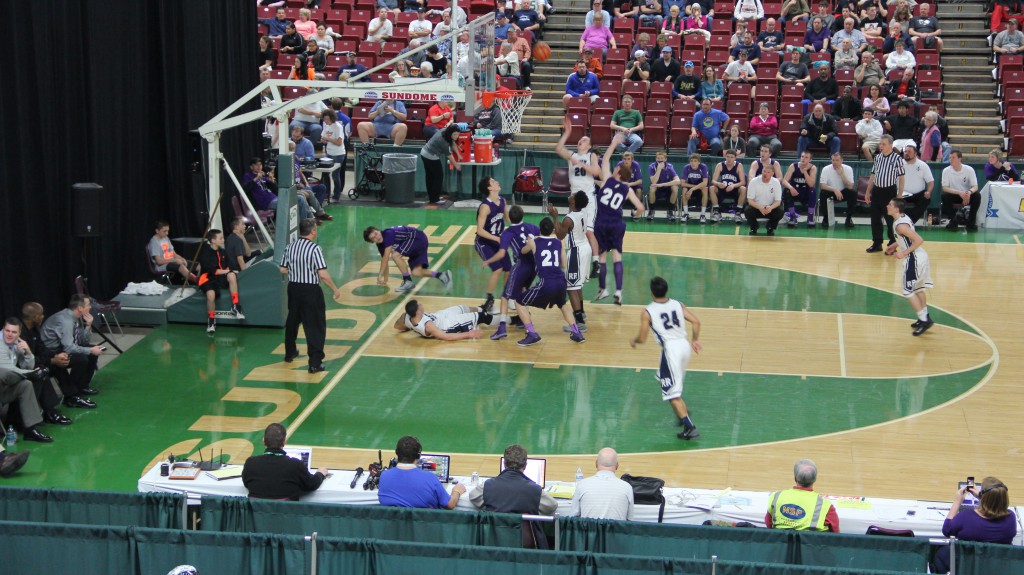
(542, 121)
(969, 92)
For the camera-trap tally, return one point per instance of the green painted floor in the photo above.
(178, 386)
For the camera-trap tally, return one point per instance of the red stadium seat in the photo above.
(791, 109)
(743, 123)
(719, 40)
(770, 59)
(721, 27)
(848, 142)
(740, 91)
(624, 24)
(624, 39)
(579, 124)
(789, 131)
(614, 70)
(611, 85)
(404, 18)
(694, 42)
(659, 106)
(606, 105)
(683, 107)
(738, 108)
(789, 93)
(579, 105)
(718, 56)
(696, 56)
(661, 89)
(656, 131)
(843, 78)
(679, 133)
(617, 55)
(772, 9)
(927, 59)
(600, 130)
(636, 89)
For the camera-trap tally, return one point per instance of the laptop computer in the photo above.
(536, 470)
(438, 464)
(303, 453)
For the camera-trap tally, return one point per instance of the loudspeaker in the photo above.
(89, 217)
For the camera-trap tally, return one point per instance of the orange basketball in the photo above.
(541, 51)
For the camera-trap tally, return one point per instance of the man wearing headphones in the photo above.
(799, 507)
(410, 486)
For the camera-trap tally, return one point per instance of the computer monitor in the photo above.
(303, 453)
(439, 465)
(536, 470)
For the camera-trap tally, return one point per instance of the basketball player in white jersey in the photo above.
(572, 230)
(449, 324)
(917, 272)
(583, 168)
(667, 318)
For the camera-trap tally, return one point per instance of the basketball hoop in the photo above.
(512, 103)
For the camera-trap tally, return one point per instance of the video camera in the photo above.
(375, 469)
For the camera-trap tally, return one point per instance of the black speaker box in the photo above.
(89, 217)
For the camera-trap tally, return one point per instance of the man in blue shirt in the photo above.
(581, 83)
(753, 51)
(275, 25)
(501, 27)
(303, 147)
(351, 68)
(707, 122)
(408, 485)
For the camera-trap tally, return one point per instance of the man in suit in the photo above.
(512, 492)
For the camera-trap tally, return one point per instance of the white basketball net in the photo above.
(512, 104)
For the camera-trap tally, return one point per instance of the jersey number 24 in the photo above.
(670, 320)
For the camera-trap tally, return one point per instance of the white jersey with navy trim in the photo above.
(455, 319)
(578, 252)
(669, 326)
(578, 234)
(917, 270)
(579, 178)
(667, 321)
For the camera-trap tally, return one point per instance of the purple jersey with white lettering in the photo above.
(514, 238)
(495, 223)
(610, 198)
(694, 177)
(547, 258)
(409, 242)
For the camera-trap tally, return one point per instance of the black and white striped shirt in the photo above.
(888, 169)
(303, 259)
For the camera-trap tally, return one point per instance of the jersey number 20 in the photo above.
(670, 320)
(611, 199)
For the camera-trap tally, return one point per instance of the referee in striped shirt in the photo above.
(304, 264)
(885, 183)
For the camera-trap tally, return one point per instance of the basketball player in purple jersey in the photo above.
(491, 217)
(609, 228)
(402, 242)
(513, 240)
(549, 291)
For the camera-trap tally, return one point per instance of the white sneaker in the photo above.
(407, 285)
(703, 218)
(618, 297)
(716, 217)
(603, 294)
(446, 279)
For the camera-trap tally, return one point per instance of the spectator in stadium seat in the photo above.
(817, 38)
(581, 83)
(1004, 11)
(673, 24)
(900, 20)
(991, 522)
(439, 116)
(822, 89)
(387, 120)
(793, 71)
(630, 123)
(879, 6)
(839, 23)
(300, 71)
(998, 169)
(304, 26)
(869, 130)
(711, 88)
(818, 513)
(904, 90)
(490, 118)
(351, 68)
(707, 122)
(323, 40)
(764, 130)
(626, 9)
(869, 73)
(943, 129)
(593, 63)
(315, 56)
(902, 126)
(638, 70)
(501, 26)
(507, 64)
(740, 71)
(897, 36)
(846, 57)
(931, 139)
(420, 28)
(526, 18)
(462, 49)
(654, 52)
(380, 29)
(664, 184)
(668, 4)
(901, 59)
(847, 106)
(307, 119)
(1009, 41)
(267, 56)
(960, 186)
(927, 28)
(643, 42)
(439, 64)
(597, 36)
(734, 141)
(748, 10)
(794, 11)
(389, 5)
(292, 42)
(737, 36)
(276, 25)
(873, 25)
(697, 23)
(650, 14)
(597, 9)
(877, 101)
(687, 86)
(770, 39)
(825, 13)
(837, 183)
(818, 129)
(521, 46)
(408, 485)
(753, 52)
(857, 39)
(665, 68)
(443, 28)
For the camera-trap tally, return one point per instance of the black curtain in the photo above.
(107, 91)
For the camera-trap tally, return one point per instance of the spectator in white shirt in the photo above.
(380, 28)
(960, 186)
(917, 183)
(748, 10)
(870, 132)
(837, 183)
(901, 59)
(419, 29)
(602, 495)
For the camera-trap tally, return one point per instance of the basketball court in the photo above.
(808, 353)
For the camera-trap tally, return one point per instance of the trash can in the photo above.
(399, 178)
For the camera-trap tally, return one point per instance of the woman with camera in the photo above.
(990, 522)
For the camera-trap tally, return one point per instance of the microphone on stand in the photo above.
(359, 472)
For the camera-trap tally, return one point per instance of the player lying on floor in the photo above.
(449, 324)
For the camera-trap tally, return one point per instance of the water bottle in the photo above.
(12, 438)
(474, 479)
(579, 474)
